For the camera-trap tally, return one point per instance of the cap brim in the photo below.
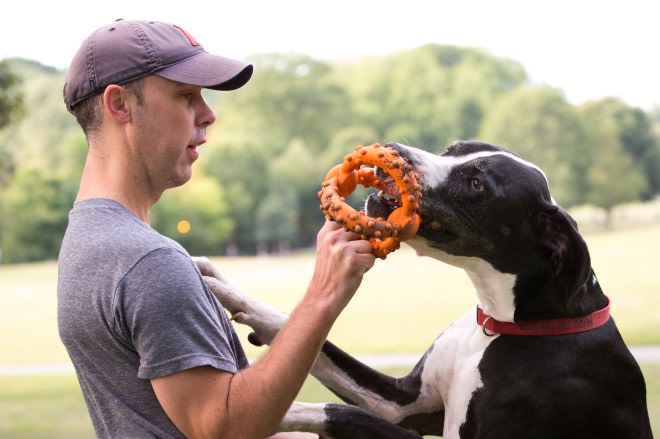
(209, 71)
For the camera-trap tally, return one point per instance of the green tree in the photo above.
(243, 172)
(275, 140)
(11, 111)
(538, 124)
(615, 176)
(11, 95)
(634, 133)
(277, 218)
(432, 95)
(47, 150)
(343, 142)
(34, 213)
(290, 96)
(299, 169)
(200, 204)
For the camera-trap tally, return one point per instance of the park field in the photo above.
(402, 305)
(52, 407)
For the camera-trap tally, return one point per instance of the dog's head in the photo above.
(487, 210)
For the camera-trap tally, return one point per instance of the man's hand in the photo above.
(342, 259)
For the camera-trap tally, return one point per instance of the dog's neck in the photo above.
(494, 289)
(513, 298)
(507, 298)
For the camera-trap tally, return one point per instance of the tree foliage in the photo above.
(11, 111)
(621, 158)
(632, 130)
(538, 124)
(255, 186)
(11, 97)
(34, 215)
(242, 171)
(202, 205)
(431, 95)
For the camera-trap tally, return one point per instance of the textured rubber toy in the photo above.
(385, 235)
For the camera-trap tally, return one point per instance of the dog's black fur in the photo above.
(489, 212)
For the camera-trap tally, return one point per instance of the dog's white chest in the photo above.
(453, 366)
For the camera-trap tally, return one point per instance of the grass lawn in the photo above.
(51, 407)
(400, 296)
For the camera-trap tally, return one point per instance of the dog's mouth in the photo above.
(390, 196)
(384, 202)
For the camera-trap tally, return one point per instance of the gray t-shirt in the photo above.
(133, 306)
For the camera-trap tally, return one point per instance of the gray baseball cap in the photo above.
(128, 49)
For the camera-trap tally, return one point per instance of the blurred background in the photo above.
(570, 86)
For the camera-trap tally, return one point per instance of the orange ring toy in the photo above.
(385, 235)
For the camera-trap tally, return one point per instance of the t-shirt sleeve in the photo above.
(171, 319)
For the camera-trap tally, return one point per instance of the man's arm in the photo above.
(204, 402)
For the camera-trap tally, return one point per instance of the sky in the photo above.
(589, 49)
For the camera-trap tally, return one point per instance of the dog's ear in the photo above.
(568, 254)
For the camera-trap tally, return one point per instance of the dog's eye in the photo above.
(476, 184)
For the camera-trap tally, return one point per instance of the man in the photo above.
(154, 355)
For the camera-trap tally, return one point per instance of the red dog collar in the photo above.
(562, 326)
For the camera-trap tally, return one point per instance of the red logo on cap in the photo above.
(192, 39)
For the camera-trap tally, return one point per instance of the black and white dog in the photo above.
(538, 358)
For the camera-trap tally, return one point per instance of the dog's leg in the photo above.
(265, 320)
(407, 401)
(381, 406)
(382, 400)
(338, 421)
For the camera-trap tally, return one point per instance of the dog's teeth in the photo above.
(388, 199)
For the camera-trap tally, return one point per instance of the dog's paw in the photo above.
(206, 267)
(264, 320)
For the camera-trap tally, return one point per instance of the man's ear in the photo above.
(116, 104)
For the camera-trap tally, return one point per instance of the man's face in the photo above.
(169, 125)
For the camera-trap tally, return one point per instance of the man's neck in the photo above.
(104, 182)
